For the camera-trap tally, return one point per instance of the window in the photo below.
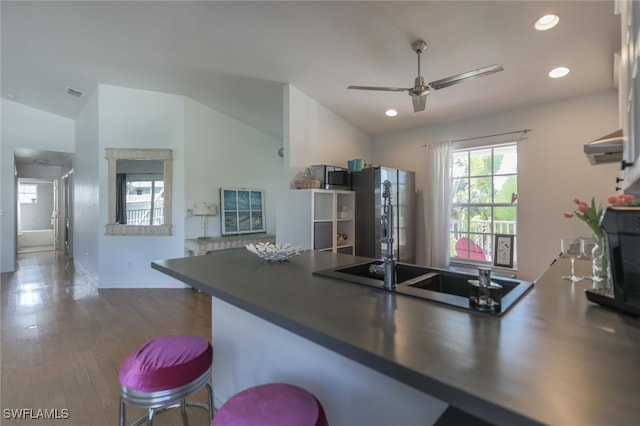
(144, 199)
(484, 192)
(27, 193)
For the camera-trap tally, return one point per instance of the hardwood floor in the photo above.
(62, 341)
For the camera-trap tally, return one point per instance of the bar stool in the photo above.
(272, 404)
(160, 375)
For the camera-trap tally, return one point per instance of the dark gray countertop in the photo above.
(553, 358)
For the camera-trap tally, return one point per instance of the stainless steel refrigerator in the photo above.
(367, 184)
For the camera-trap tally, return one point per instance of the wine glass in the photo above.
(586, 244)
(570, 248)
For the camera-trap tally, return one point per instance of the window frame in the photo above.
(33, 195)
(153, 179)
(468, 230)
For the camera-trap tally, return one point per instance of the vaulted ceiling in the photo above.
(236, 56)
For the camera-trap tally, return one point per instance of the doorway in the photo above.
(36, 215)
(66, 212)
(43, 200)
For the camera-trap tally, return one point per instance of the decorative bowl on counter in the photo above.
(274, 252)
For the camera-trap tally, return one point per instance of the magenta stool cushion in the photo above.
(273, 404)
(166, 363)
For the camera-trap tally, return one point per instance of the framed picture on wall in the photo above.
(242, 211)
(503, 251)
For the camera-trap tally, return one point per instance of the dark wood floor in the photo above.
(62, 340)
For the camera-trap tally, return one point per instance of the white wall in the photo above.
(24, 127)
(35, 171)
(223, 152)
(129, 118)
(552, 168)
(251, 351)
(85, 212)
(314, 135)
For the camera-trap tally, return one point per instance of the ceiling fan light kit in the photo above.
(420, 90)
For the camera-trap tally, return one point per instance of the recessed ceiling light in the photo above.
(558, 72)
(391, 113)
(41, 161)
(546, 22)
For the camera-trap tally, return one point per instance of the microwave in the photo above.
(339, 179)
(331, 177)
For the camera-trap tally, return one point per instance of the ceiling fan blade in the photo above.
(419, 102)
(386, 89)
(459, 78)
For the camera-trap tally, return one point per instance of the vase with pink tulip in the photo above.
(592, 215)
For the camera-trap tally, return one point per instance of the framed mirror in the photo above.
(139, 191)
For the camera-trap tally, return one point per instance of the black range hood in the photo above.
(607, 149)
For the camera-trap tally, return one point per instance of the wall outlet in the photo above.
(189, 212)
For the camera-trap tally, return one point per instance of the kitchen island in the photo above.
(553, 358)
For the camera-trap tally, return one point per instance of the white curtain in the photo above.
(438, 203)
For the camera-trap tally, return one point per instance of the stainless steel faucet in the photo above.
(387, 229)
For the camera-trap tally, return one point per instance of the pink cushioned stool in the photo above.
(273, 404)
(160, 375)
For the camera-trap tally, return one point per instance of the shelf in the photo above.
(345, 250)
(316, 223)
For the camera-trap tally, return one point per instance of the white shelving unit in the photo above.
(318, 215)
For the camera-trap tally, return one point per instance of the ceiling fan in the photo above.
(419, 91)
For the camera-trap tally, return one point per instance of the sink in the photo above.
(404, 271)
(433, 284)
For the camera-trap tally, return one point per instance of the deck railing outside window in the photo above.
(142, 216)
(479, 233)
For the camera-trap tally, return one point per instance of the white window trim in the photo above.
(468, 146)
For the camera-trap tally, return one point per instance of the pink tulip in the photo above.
(612, 199)
(576, 200)
(629, 199)
(583, 207)
(568, 214)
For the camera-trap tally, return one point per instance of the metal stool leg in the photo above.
(161, 401)
(183, 409)
(210, 396)
(122, 412)
(152, 412)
